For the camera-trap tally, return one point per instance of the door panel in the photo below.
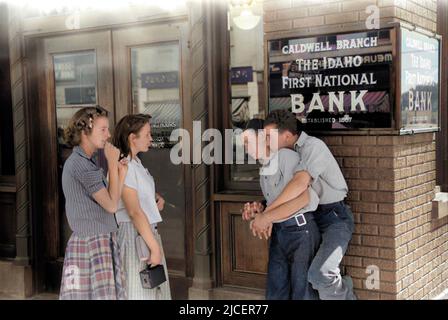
(148, 71)
(244, 258)
(135, 41)
(7, 224)
(72, 71)
(98, 43)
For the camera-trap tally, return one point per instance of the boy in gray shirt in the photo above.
(333, 216)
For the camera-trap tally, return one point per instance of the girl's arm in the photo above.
(141, 223)
(109, 198)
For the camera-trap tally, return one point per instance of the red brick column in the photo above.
(391, 181)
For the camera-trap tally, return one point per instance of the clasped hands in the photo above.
(260, 223)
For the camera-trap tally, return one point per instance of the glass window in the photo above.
(155, 89)
(7, 164)
(246, 74)
(75, 76)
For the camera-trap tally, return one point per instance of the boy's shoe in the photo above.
(349, 282)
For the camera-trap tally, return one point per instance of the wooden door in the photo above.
(65, 73)
(244, 258)
(149, 69)
(71, 71)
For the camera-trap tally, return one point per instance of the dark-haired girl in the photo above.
(138, 212)
(92, 268)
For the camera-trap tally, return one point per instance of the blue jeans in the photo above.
(291, 250)
(336, 225)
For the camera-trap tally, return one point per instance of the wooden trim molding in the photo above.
(8, 184)
(442, 135)
(21, 138)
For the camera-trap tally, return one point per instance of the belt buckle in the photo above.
(300, 223)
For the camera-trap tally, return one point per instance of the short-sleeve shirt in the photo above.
(81, 178)
(316, 159)
(139, 179)
(276, 173)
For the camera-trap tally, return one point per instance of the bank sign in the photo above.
(419, 81)
(340, 81)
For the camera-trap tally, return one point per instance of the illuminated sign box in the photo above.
(349, 81)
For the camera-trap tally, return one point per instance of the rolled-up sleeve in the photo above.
(91, 180)
(288, 163)
(313, 203)
(131, 177)
(315, 159)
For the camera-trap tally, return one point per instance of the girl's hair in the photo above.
(131, 123)
(82, 120)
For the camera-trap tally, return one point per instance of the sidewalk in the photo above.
(42, 296)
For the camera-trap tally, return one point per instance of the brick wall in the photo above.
(421, 245)
(334, 15)
(369, 167)
(391, 181)
(391, 178)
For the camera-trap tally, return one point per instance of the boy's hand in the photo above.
(251, 209)
(246, 212)
(261, 226)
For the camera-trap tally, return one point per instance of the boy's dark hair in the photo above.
(284, 120)
(254, 124)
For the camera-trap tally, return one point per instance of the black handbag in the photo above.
(152, 277)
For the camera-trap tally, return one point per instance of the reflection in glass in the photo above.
(75, 76)
(246, 79)
(155, 89)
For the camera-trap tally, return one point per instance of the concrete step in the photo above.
(41, 296)
(233, 293)
(15, 280)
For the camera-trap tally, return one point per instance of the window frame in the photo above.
(442, 135)
(7, 152)
(222, 27)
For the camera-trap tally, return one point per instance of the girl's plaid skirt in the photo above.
(92, 269)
